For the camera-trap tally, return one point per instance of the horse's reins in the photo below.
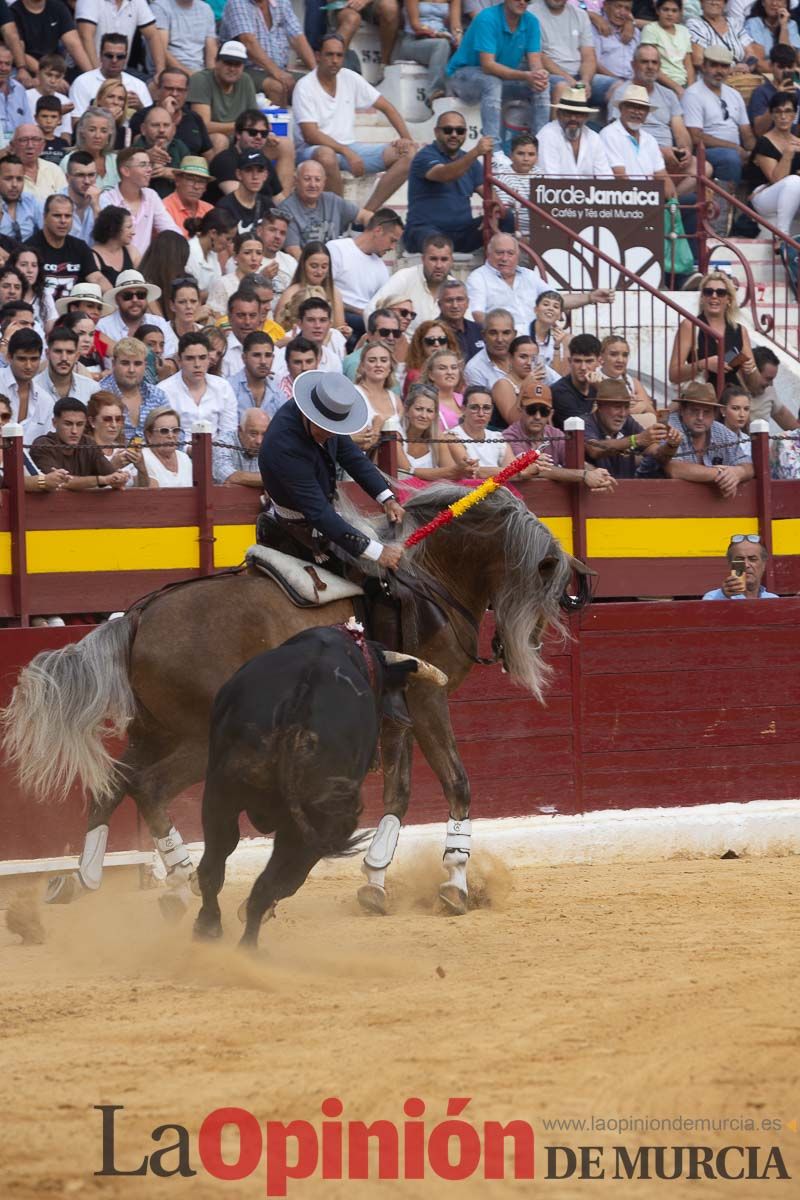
(451, 601)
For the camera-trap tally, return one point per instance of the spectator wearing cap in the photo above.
(357, 265)
(500, 58)
(441, 182)
(219, 93)
(134, 193)
(616, 441)
(743, 581)
(131, 296)
(186, 202)
(534, 431)
(238, 462)
(269, 34)
(708, 452)
(251, 131)
(139, 398)
(566, 146)
(631, 150)
(783, 64)
(248, 204)
(164, 149)
(197, 396)
(253, 386)
(719, 26)
(716, 117)
(324, 106)
(68, 448)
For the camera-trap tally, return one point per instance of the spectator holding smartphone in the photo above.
(747, 561)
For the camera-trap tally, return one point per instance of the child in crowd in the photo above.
(51, 80)
(48, 118)
(671, 38)
(516, 172)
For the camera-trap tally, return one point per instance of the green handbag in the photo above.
(678, 257)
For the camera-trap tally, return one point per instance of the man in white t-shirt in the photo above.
(358, 270)
(568, 50)
(324, 105)
(632, 152)
(113, 56)
(95, 18)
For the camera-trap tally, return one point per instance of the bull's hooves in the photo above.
(453, 899)
(373, 899)
(63, 889)
(206, 933)
(173, 908)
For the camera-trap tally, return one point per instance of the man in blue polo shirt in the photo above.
(500, 58)
(441, 181)
(747, 562)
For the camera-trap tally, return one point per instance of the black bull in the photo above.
(293, 734)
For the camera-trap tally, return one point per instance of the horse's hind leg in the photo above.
(221, 837)
(396, 747)
(286, 871)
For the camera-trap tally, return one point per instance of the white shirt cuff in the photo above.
(385, 495)
(372, 551)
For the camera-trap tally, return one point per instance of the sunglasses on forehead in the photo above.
(738, 538)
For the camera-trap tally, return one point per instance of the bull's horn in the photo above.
(425, 670)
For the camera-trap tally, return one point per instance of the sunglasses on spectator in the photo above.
(164, 429)
(392, 333)
(113, 420)
(726, 116)
(114, 57)
(408, 313)
(137, 295)
(435, 341)
(479, 408)
(537, 410)
(256, 132)
(448, 129)
(737, 538)
(712, 291)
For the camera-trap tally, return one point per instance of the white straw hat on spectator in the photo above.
(636, 95)
(88, 292)
(232, 52)
(128, 280)
(331, 401)
(575, 100)
(718, 54)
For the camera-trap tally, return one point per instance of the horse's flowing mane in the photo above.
(527, 582)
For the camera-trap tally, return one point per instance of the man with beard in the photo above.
(632, 152)
(419, 284)
(441, 181)
(566, 148)
(132, 296)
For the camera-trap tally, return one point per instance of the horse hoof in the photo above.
(173, 908)
(373, 899)
(63, 889)
(206, 933)
(454, 899)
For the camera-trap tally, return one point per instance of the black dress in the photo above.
(110, 272)
(706, 348)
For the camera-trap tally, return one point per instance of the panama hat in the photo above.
(634, 95)
(574, 100)
(88, 292)
(194, 165)
(699, 393)
(133, 279)
(331, 401)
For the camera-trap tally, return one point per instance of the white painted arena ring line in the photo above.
(759, 829)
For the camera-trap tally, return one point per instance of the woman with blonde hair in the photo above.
(95, 133)
(694, 353)
(218, 344)
(112, 95)
(421, 455)
(166, 465)
(428, 336)
(314, 269)
(375, 380)
(442, 370)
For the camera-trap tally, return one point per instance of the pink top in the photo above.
(450, 417)
(151, 218)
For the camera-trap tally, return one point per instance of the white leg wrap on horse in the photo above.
(375, 875)
(90, 867)
(383, 845)
(458, 841)
(175, 857)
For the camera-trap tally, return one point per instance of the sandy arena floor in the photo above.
(646, 990)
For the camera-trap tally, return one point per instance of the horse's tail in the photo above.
(64, 703)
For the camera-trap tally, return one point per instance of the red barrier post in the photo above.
(14, 480)
(203, 481)
(759, 443)
(576, 459)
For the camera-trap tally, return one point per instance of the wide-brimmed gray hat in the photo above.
(331, 401)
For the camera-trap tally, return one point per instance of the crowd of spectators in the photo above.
(167, 256)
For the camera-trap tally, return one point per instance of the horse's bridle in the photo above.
(439, 591)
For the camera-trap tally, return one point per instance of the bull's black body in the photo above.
(293, 734)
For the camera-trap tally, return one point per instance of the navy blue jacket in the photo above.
(300, 474)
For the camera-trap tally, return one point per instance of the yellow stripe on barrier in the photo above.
(231, 543)
(786, 537)
(5, 553)
(561, 528)
(663, 537)
(51, 551)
